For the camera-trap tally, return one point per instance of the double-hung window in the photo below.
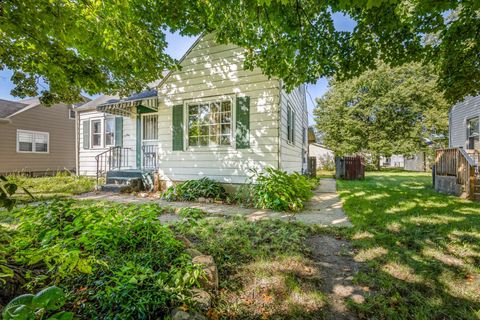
(473, 131)
(109, 132)
(32, 141)
(96, 133)
(210, 123)
(290, 124)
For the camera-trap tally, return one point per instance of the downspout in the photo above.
(77, 144)
(279, 120)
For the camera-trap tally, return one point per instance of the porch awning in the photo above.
(127, 107)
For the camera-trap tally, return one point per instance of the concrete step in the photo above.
(115, 188)
(123, 180)
(132, 173)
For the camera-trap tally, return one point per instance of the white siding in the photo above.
(291, 158)
(321, 153)
(459, 114)
(87, 162)
(416, 162)
(211, 70)
(395, 161)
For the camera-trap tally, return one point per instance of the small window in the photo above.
(96, 133)
(150, 127)
(71, 114)
(210, 123)
(473, 133)
(109, 131)
(290, 124)
(32, 141)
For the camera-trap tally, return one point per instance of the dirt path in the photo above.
(334, 260)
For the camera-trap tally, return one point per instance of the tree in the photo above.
(383, 112)
(110, 46)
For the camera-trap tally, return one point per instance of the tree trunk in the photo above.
(377, 162)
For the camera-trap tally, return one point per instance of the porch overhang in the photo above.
(127, 107)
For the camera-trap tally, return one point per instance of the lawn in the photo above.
(421, 249)
(43, 188)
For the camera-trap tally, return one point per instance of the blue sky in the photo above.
(178, 45)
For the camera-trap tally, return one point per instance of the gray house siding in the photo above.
(459, 114)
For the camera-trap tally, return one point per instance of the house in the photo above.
(417, 162)
(36, 139)
(464, 124)
(394, 161)
(325, 157)
(209, 119)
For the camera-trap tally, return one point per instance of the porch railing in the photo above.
(114, 158)
(149, 156)
(458, 163)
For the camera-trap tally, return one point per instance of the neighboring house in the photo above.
(464, 124)
(417, 162)
(35, 139)
(325, 157)
(394, 161)
(210, 119)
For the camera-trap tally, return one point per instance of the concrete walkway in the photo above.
(325, 207)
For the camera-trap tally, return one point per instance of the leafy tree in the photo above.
(383, 112)
(103, 46)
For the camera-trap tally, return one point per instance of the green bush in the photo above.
(191, 190)
(280, 191)
(115, 261)
(245, 195)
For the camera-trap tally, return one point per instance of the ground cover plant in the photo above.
(62, 184)
(191, 190)
(113, 261)
(422, 248)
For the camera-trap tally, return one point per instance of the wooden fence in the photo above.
(350, 168)
(458, 163)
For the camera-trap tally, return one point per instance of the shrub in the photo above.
(280, 191)
(191, 190)
(115, 261)
(191, 213)
(245, 195)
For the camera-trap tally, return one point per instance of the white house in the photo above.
(464, 124)
(394, 161)
(325, 157)
(209, 119)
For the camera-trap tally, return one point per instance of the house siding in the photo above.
(291, 154)
(87, 162)
(61, 129)
(468, 108)
(208, 71)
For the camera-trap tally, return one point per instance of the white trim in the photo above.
(33, 141)
(70, 110)
(210, 99)
(105, 131)
(90, 134)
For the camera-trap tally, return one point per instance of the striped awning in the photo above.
(128, 108)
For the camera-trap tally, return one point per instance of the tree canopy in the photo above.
(389, 110)
(104, 46)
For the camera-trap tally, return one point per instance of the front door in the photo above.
(149, 141)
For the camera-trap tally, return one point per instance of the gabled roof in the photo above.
(8, 108)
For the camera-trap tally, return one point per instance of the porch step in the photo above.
(133, 173)
(123, 180)
(115, 188)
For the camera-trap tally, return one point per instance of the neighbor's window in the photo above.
(96, 133)
(290, 124)
(32, 141)
(71, 114)
(109, 131)
(150, 127)
(210, 123)
(473, 133)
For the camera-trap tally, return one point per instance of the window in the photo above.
(210, 123)
(71, 114)
(32, 141)
(290, 124)
(96, 133)
(109, 131)
(473, 133)
(150, 127)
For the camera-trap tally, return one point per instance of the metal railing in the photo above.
(149, 157)
(114, 158)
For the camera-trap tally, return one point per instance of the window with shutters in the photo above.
(290, 124)
(210, 123)
(109, 132)
(32, 141)
(150, 127)
(96, 133)
(473, 133)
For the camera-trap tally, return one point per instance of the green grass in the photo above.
(421, 249)
(43, 188)
(325, 173)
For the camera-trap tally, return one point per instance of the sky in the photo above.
(178, 45)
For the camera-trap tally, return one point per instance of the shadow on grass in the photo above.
(422, 248)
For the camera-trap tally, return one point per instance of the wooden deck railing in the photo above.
(457, 162)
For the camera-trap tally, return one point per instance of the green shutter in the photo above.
(86, 134)
(242, 114)
(293, 127)
(119, 131)
(289, 123)
(177, 125)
